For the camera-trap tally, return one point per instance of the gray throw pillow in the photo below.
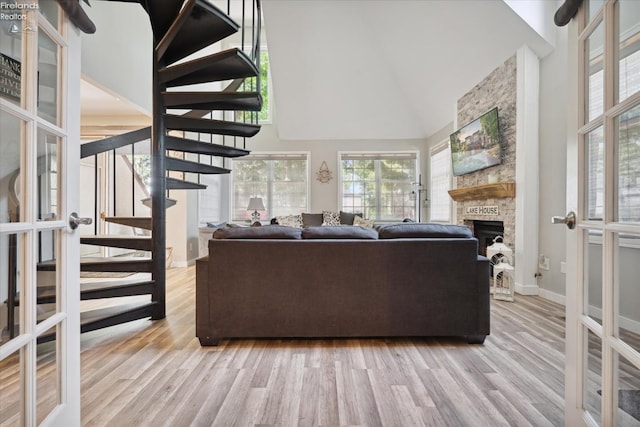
(347, 218)
(311, 219)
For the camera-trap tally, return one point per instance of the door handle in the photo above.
(75, 221)
(569, 220)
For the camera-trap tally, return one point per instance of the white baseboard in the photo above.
(553, 296)
(623, 322)
(177, 264)
(596, 313)
(527, 289)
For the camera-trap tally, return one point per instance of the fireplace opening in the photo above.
(485, 232)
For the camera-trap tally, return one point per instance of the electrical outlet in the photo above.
(543, 262)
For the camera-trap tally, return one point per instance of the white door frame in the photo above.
(580, 322)
(65, 320)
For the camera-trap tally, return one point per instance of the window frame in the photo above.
(437, 149)
(340, 194)
(274, 154)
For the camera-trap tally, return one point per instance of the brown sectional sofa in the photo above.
(409, 279)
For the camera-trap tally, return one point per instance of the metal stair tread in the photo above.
(143, 222)
(230, 101)
(218, 127)
(180, 165)
(198, 147)
(47, 294)
(226, 65)
(179, 184)
(198, 25)
(110, 316)
(106, 264)
(142, 243)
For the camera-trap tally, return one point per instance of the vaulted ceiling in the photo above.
(387, 69)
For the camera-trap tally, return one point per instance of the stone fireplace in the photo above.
(506, 195)
(485, 232)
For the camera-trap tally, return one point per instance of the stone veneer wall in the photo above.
(498, 89)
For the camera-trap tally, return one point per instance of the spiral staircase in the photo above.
(180, 28)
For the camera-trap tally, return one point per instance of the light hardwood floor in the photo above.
(156, 374)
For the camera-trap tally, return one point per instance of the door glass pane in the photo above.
(592, 376)
(10, 390)
(11, 249)
(10, 159)
(593, 6)
(629, 48)
(593, 275)
(628, 393)
(628, 291)
(48, 194)
(594, 92)
(629, 166)
(594, 164)
(50, 11)
(11, 60)
(47, 78)
(47, 276)
(47, 383)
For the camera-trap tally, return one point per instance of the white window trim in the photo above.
(340, 177)
(274, 153)
(435, 149)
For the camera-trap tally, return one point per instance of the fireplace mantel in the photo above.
(499, 190)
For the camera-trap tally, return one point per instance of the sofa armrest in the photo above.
(484, 296)
(203, 325)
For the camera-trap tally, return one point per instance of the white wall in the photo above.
(553, 160)
(118, 56)
(325, 196)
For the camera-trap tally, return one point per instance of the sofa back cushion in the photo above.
(266, 232)
(339, 232)
(424, 230)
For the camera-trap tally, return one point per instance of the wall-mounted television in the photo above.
(476, 145)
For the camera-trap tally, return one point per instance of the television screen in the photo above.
(476, 145)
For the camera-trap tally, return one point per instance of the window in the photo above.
(280, 179)
(264, 115)
(440, 182)
(380, 185)
(628, 131)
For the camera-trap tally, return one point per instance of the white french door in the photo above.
(39, 269)
(603, 188)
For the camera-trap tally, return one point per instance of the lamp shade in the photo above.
(255, 204)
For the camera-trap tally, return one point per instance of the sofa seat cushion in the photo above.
(266, 232)
(423, 230)
(339, 232)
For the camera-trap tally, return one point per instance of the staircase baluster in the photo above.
(115, 199)
(133, 179)
(95, 194)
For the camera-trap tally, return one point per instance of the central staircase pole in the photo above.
(158, 190)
